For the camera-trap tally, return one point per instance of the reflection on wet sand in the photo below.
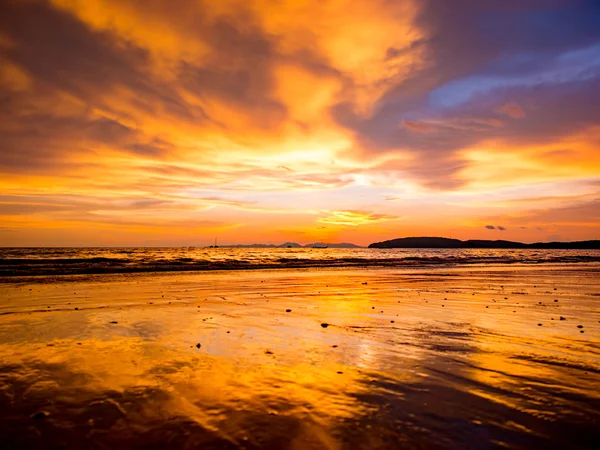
(433, 359)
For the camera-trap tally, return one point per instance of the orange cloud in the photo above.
(259, 118)
(353, 218)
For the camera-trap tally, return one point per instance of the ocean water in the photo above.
(59, 261)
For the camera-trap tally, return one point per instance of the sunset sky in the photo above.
(157, 122)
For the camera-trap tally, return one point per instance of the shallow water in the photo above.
(435, 358)
(61, 261)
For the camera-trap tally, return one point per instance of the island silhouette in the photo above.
(441, 242)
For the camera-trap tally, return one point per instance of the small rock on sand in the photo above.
(288, 310)
(198, 345)
(562, 318)
(579, 326)
(114, 321)
(40, 415)
(324, 325)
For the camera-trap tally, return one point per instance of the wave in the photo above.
(172, 260)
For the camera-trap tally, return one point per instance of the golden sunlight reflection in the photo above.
(230, 351)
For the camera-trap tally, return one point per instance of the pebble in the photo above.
(324, 325)
(114, 321)
(539, 324)
(562, 318)
(40, 415)
(198, 345)
(579, 326)
(288, 310)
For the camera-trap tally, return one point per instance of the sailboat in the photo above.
(214, 246)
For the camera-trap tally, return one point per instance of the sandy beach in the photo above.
(481, 357)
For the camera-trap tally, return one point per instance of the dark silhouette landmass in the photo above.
(295, 245)
(440, 242)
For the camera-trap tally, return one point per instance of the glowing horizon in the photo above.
(130, 123)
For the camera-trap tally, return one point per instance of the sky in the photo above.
(160, 122)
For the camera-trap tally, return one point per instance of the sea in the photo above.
(98, 260)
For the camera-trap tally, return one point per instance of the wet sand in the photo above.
(299, 359)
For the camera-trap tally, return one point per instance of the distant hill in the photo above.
(290, 244)
(294, 245)
(249, 246)
(340, 245)
(439, 242)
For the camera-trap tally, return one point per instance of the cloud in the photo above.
(353, 218)
(495, 227)
(417, 127)
(472, 59)
(512, 110)
(582, 213)
(180, 112)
